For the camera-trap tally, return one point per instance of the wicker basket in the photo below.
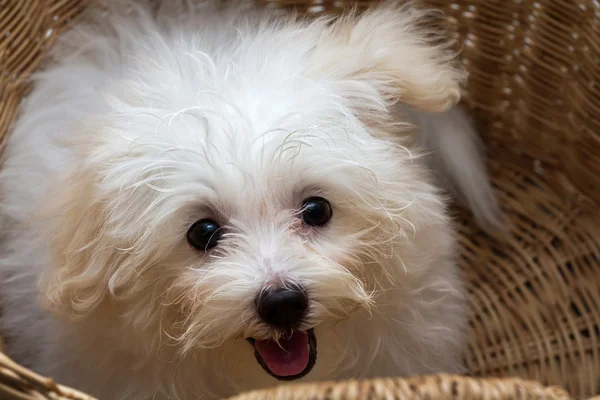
(534, 74)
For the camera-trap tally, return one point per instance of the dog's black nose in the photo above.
(283, 308)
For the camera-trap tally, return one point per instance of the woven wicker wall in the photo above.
(533, 89)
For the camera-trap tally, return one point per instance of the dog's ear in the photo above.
(75, 281)
(391, 49)
(91, 257)
(95, 222)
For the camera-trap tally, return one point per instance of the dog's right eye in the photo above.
(316, 211)
(204, 234)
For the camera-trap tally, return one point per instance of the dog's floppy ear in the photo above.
(90, 251)
(390, 48)
(74, 282)
(95, 222)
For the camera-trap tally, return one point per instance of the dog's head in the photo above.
(253, 195)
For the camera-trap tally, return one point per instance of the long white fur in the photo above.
(151, 117)
(455, 152)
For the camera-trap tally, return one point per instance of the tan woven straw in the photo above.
(441, 387)
(535, 297)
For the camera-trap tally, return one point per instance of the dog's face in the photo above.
(260, 206)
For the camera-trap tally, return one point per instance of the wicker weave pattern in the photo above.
(27, 29)
(533, 88)
(19, 383)
(534, 69)
(440, 387)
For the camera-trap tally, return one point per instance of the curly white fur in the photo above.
(152, 117)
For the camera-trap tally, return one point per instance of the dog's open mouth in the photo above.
(291, 359)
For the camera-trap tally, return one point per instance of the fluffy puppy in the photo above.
(208, 199)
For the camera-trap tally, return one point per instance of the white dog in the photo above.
(209, 199)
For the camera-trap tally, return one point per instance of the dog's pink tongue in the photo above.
(289, 359)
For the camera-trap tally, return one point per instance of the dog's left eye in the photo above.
(316, 211)
(204, 234)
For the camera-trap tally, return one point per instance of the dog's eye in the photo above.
(316, 211)
(204, 234)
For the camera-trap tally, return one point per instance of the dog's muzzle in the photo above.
(293, 356)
